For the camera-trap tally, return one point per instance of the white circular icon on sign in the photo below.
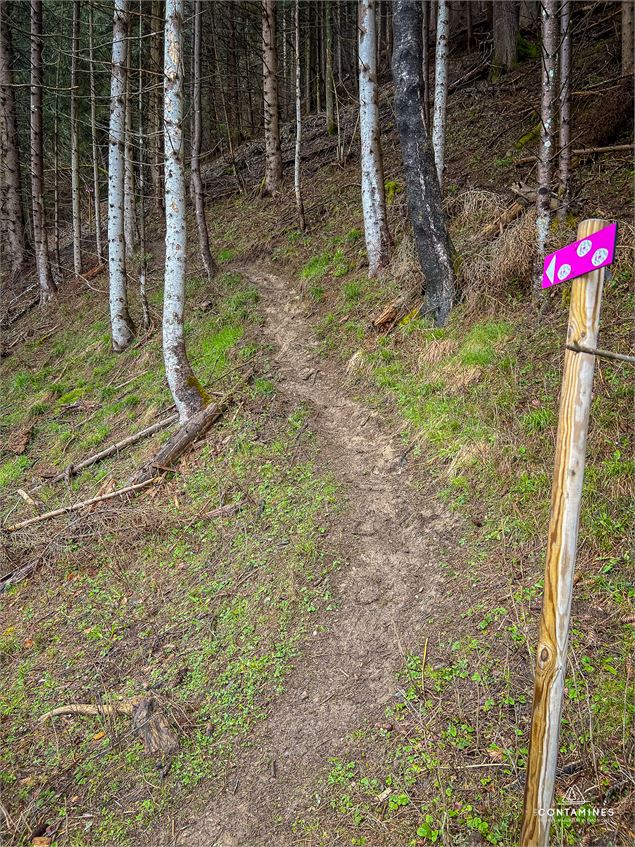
(584, 247)
(564, 271)
(599, 256)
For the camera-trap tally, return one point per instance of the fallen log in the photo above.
(73, 470)
(509, 215)
(74, 507)
(183, 438)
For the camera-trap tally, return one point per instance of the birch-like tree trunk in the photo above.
(273, 154)
(329, 79)
(425, 201)
(298, 121)
(440, 86)
(74, 124)
(93, 137)
(565, 108)
(187, 393)
(549, 48)
(373, 192)
(45, 279)
(143, 258)
(122, 327)
(506, 18)
(197, 130)
(628, 38)
(11, 170)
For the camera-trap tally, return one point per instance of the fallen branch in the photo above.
(72, 469)
(184, 437)
(583, 151)
(151, 725)
(124, 708)
(223, 511)
(75, 507)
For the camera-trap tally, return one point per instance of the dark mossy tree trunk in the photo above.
(10, 163)
(425, 202)
(628, 57)
(506, 20)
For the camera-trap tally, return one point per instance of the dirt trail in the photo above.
(393, 541)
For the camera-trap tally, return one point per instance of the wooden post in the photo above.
(551, 660)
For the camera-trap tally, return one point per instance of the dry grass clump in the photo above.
(625, 253)
(436, 350)
(404, 266)
(474, 208)
(358, 364)
(458, 379)
(500, 265)
(469, 454)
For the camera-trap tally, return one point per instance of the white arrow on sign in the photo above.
(551, 269)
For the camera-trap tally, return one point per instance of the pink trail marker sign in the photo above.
(581, 257)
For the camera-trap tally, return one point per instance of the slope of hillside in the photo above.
(333, 599)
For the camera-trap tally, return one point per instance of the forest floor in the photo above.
(345, 650)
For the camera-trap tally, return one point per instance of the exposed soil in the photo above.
(392, 540)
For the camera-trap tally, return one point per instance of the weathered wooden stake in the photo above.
(551, 661)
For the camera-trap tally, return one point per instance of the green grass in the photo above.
(242, 590)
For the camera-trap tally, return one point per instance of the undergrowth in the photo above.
(208, 613)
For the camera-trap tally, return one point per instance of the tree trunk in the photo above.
(143, 259)
(57, 275)
(273, 155)
(319, 45)
(155, 106)
(298, 121)
(505, 37)
(328, 77)
(121, 324)
(373, 193)
(45, 279)
(529, 14)
(234, 129)
(440, 86)
(565, 107)
(187, 393)
(307, 60)
(549, 16)
(93, 136)
(129, 203)
(425, 43)
(425, 201)
(11, 170)
(197, 183)
(74, 122)
(628, 64)
(284, 88)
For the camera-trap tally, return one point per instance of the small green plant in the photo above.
(538, 420)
